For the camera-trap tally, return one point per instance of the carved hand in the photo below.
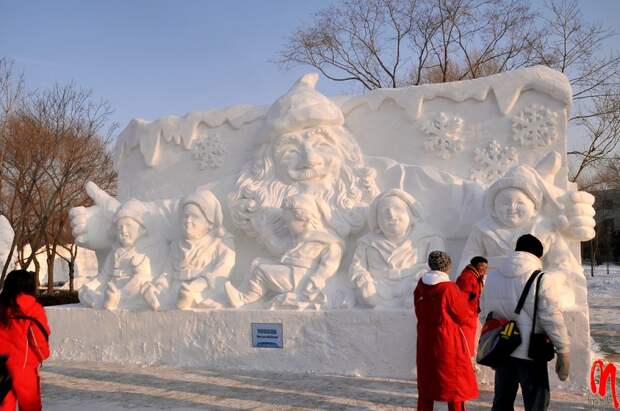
(91, 225)
(211, 281)
(579, 211)
(361, 278)
(562, 366)
(313, 285)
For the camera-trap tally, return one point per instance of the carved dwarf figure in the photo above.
(307, 151)
(199, 262)
(126, 269)
(522, 202)
(389, 259)
(299, 277)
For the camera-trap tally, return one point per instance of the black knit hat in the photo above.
(530, 244)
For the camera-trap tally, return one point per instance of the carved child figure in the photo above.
(298, 279)
(389, 259)
(126, 269)
(200, 261)
(520, 203)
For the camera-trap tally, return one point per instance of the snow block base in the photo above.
(338, 342)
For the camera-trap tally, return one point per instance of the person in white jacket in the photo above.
(500, 296)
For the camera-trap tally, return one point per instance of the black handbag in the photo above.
(5, 378)
(541, 348)
(500, 337)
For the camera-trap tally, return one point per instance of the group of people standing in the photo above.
(448, 315)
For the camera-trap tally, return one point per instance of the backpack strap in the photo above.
(536, 303)
(525, 291)
(36, 322)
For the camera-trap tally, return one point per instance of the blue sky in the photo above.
(151, 58)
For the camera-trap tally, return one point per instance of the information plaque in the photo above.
(267, 335)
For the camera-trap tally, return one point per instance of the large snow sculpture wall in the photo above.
(321, 203)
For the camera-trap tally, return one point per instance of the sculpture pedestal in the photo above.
(338, 342)
(373, 343)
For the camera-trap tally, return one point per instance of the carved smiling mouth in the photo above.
(306, 174)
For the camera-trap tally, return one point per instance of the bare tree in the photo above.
(575, 47)
(53, 144)
(390, 43)
(605, 175)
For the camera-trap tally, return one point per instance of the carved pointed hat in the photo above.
(209, 205)
(302, 107)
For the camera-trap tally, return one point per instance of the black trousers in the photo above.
(533, 378)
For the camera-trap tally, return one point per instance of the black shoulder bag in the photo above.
(500, 337)
(541, 348)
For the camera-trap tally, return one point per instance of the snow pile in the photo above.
(6, 239)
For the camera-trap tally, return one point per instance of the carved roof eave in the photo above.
(506, 87)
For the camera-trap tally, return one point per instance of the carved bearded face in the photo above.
(195, 224)
(306, 156)
(128, 231)
(513, 208)
(393, 218)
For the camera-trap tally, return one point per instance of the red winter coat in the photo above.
(470, 282)
(445, 369)
(22, 340)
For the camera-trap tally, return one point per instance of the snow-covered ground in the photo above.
(112, 387)
(89, 386)
(604, 304)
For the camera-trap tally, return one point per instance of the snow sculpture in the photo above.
(126, 269)
(390, 258)
(444, 131)
(535, 126)
(492, 162)
(199, 262)
(298, 278)
(307, 151)
(338, 154)
(300, 145)
(525, 200)
(209, 152)
(6, 239)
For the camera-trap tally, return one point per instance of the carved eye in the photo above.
(288, 152)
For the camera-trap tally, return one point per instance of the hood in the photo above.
(519, 264)
(435, 277)
(26, 303)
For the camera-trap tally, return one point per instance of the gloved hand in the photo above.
(562, 366)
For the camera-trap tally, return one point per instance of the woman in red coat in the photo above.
(23, 338)
(444, 362)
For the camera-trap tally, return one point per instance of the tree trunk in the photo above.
(50, 273)
(37, 269)
(592, 258)
(71, 275)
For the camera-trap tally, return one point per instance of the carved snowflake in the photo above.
(492, 162)
(535, 126)
(209, 151)
(444, 134)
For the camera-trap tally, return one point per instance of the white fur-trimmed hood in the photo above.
(435, 277)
